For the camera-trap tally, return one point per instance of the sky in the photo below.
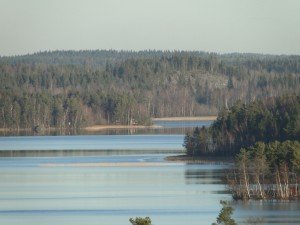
(221, 26)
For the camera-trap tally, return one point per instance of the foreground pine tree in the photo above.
(140, 221)
(225, 214)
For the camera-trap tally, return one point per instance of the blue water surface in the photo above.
(97, 142)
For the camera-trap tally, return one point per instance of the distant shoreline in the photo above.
(108, 127)
(113, 126)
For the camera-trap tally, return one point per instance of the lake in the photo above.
(93, 142)
(129, 180)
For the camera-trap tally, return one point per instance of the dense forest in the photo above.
(242, 125)
(71, 89)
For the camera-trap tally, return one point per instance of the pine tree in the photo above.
(225, 214)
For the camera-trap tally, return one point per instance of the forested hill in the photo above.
(77, 88)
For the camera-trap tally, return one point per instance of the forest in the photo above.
(242, 125)
(72, 89)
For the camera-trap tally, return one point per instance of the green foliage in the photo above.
(225, 214)
(140, 221)
(230, 83)
(243, 125)
(197, 143)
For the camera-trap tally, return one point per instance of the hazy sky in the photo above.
(259, 26)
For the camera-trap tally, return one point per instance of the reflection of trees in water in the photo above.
(81, 152)
(182, 130)
(204, 176)
(56, 132)
(41, 132)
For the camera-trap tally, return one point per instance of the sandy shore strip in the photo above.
(111, 164)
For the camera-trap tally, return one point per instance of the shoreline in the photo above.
(108, 127)
(169, 119)
(88, 128)
(196, 159)
(116, 127)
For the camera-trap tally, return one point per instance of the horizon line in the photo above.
(145, 50)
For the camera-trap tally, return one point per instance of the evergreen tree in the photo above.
(225, 215)
(140, 221)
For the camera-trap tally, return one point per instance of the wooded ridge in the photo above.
(71, 89)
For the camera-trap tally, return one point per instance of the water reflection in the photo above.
(132, 131)
(270, 212)
(43, 132)
(166, 127)
(209, 177)
(31, 194)
(203, 176)
(84, 152)
(102, 195)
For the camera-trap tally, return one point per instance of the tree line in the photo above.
(266, 171)
(77, 88)
(242, 125)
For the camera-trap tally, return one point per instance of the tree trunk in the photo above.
(279, 186)
(261, 191)
(246, 181)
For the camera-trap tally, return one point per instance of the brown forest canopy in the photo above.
(78, 88)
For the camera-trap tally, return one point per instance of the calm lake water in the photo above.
(109, 189)
(88, 142)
